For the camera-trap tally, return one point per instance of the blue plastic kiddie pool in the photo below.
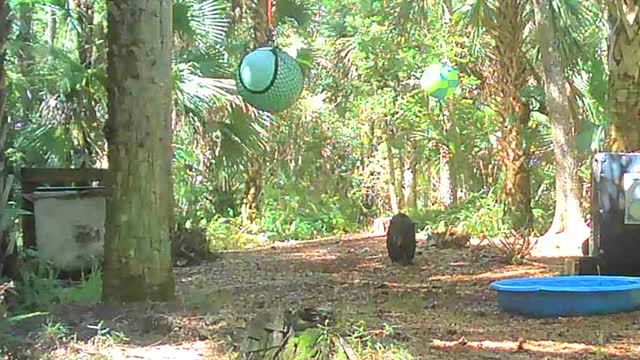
(568, 295)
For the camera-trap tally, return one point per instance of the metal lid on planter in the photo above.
(69, 192)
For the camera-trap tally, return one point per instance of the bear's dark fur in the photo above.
(401, 239)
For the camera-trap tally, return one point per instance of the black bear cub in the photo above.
(401, 239)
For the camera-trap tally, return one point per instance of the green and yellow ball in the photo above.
(439, 81)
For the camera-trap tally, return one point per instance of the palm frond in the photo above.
(201, 22)
(307, 57)
(195, 94)
(478, 13)
(300, 11)
(579, 28)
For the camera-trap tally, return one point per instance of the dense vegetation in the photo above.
(363, 140)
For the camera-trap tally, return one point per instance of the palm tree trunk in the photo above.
(252, 190)
(516, 196)
(511, 76)
(253, 179)
(568, 214)
(624, 74)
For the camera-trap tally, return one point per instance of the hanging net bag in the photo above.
(268, 78)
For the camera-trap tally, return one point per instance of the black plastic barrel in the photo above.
(615, 206)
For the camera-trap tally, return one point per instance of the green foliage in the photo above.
(53, 332)
(295, 212)
(39, 288)
(376, 344)
(227, 234)
(344, 342)
(6, 336)
(325, 164)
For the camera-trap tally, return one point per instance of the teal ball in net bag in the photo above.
(439, 81)
(269, 79)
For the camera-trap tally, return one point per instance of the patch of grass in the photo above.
(8, 336)
(376, 343)
(404, 302)
(207, 299)
(53, 332)
(40, 288)
(338, 343)
(361, 312)
(88, 292)
(106, 336)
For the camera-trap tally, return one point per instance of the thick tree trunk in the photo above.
(568, 214)
(253, 179)
(516, 196)
(137, 264)
(511, 76)
(624, 74)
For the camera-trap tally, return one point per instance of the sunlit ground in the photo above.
(548, 348)
(439, 308)
(494, 275)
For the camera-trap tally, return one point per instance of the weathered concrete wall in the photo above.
(69, 229)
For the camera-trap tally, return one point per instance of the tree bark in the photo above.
(511, 76)
(253, 178)
(410, 182)
(568, 214)
(624, 74)
(8, 254)
(445, 188)
(87, 101)
(514, 156)
(5, 29)
(24, 58)
(393, 194)
(399, 174)
(137, 265)
(252, 190)
(52, 27)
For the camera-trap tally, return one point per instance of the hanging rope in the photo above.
(269, 13)
(271, 31)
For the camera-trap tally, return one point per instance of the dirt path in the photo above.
(439, 308)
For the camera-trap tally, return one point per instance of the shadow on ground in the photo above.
(440, 307)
